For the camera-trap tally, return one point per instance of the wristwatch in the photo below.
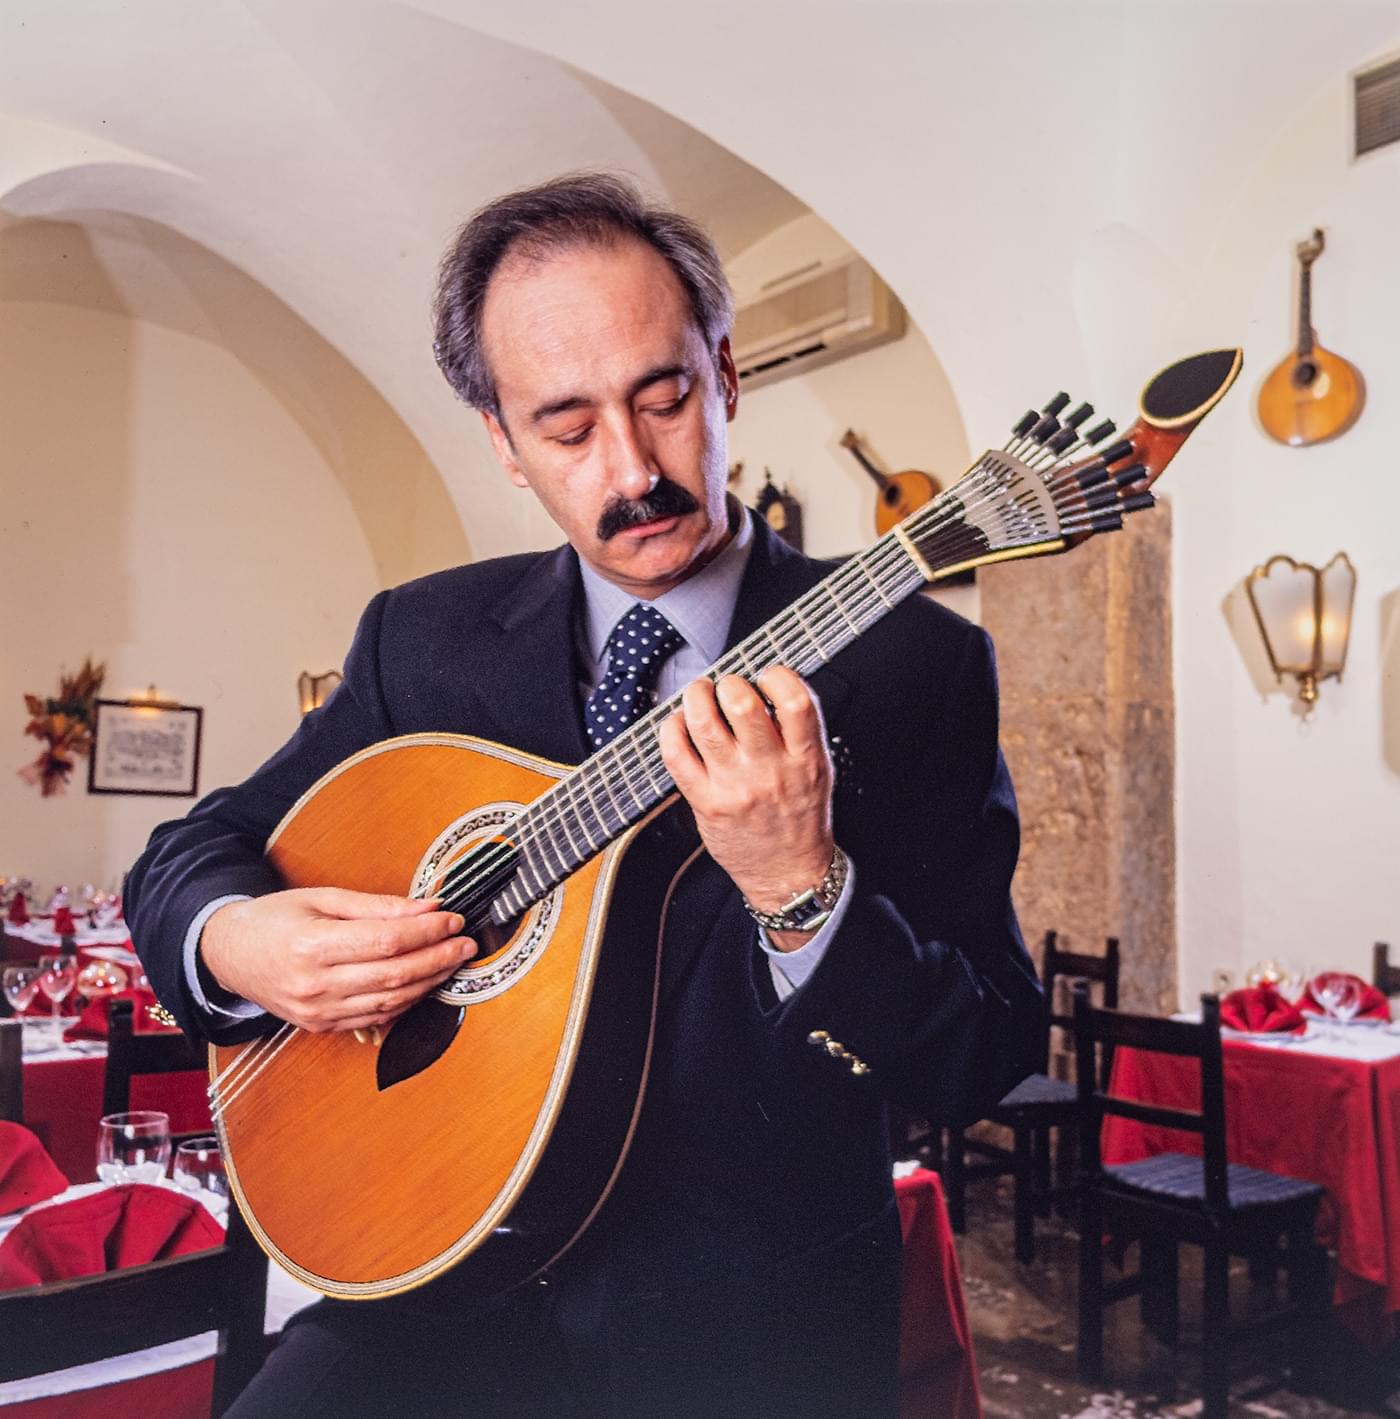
(809, 909)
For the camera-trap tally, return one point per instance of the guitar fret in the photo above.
(627, 778)
(811, 634)
(871, 578)
(841, 610)
(564, 821)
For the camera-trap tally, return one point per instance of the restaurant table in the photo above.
(63, 1098)
(1325, 1108)
(938, 1379)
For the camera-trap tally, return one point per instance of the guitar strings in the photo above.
(549, 812)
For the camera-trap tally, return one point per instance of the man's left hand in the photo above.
(759, 783)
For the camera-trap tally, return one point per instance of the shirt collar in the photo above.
(700, 608)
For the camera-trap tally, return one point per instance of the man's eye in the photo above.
(668, 409)
(573, 440)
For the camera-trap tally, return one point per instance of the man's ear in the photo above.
(500, 441)
(728, 378)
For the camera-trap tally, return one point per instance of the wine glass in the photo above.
(57, 975)
(20, 983)
(133, 1147)
(200, 1165)
(1338, 995)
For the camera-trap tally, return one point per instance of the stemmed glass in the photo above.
(20, 985)
(57, 975)
(133, 1147)
(1338, 995)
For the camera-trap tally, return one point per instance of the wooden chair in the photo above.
(11, 1071)
(129, 1054)
(1031, 1110)
(97, 1317)
(1385, 977)
(1225, 1208)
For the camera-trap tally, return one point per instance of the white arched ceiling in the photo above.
(329, 148)
(131, 266)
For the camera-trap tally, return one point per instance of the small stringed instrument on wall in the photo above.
(1313, 394)
(488, 1122)
(900, 493)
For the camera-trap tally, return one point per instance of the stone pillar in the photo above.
(1084, 651)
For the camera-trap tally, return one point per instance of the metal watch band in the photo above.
(809, 909)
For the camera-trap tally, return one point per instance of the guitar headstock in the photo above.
(1057, 482)
(1308, 251)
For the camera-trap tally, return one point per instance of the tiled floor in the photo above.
(1023, 1322)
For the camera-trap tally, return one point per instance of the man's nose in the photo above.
(631, 468)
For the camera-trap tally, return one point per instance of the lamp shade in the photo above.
(315, 690)
(1304, 617)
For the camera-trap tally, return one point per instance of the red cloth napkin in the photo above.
(119, 1226)
(92, 1023)
(1259, 1009)
(27, 1173)
(63, 923)
(18, 915)
(1374, 1006)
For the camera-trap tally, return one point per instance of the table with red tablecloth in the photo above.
(1326, 1112)
(63, 1102)
(938, 1378)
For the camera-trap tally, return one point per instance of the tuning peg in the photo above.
(1079, 416)
(1062, 440)
(1116, 453)
(1024, 424)
(1101, 432)
(1137, 502)
(1056, 404)
(1130, 475)
(1046, 425)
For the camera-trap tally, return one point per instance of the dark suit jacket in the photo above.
(750, 1242)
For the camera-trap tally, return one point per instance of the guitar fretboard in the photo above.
(999, 505)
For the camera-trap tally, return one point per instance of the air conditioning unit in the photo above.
(809, 317)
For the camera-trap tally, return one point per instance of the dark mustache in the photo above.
(666, 499)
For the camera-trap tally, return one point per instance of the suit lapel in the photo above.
(532, 693)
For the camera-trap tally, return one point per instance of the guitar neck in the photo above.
(853, 443)
(998, 510)
(1305, 331)
(1049, 488)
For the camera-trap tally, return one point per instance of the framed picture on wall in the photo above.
(145, 748)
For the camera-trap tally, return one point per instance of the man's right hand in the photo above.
(324, 958)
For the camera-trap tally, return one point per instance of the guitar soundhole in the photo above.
(492, 939)
(1304, 372)
(890, 495)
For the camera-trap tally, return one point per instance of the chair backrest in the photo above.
(1385, 977)
(1057, 964)
(11, 1071)
(1110, 1030)
(117, 1312)
(128, 1054)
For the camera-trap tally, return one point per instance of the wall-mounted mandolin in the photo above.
(485, 1127)
(900, 493)
(1313, 394)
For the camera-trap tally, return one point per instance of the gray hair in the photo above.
(578, 209)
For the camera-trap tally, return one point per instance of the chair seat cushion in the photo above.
(1039, 1089)
(1183, 1176)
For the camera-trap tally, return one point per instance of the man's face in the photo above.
(612, 410)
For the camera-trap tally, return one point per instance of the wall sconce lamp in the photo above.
(315, 690)
(1304, 616)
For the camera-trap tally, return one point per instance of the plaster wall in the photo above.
(160, 510)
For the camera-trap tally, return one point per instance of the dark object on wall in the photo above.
(64, 723)
(780, 510)
(145, 746)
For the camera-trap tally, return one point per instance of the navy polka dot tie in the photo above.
(637, 648)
